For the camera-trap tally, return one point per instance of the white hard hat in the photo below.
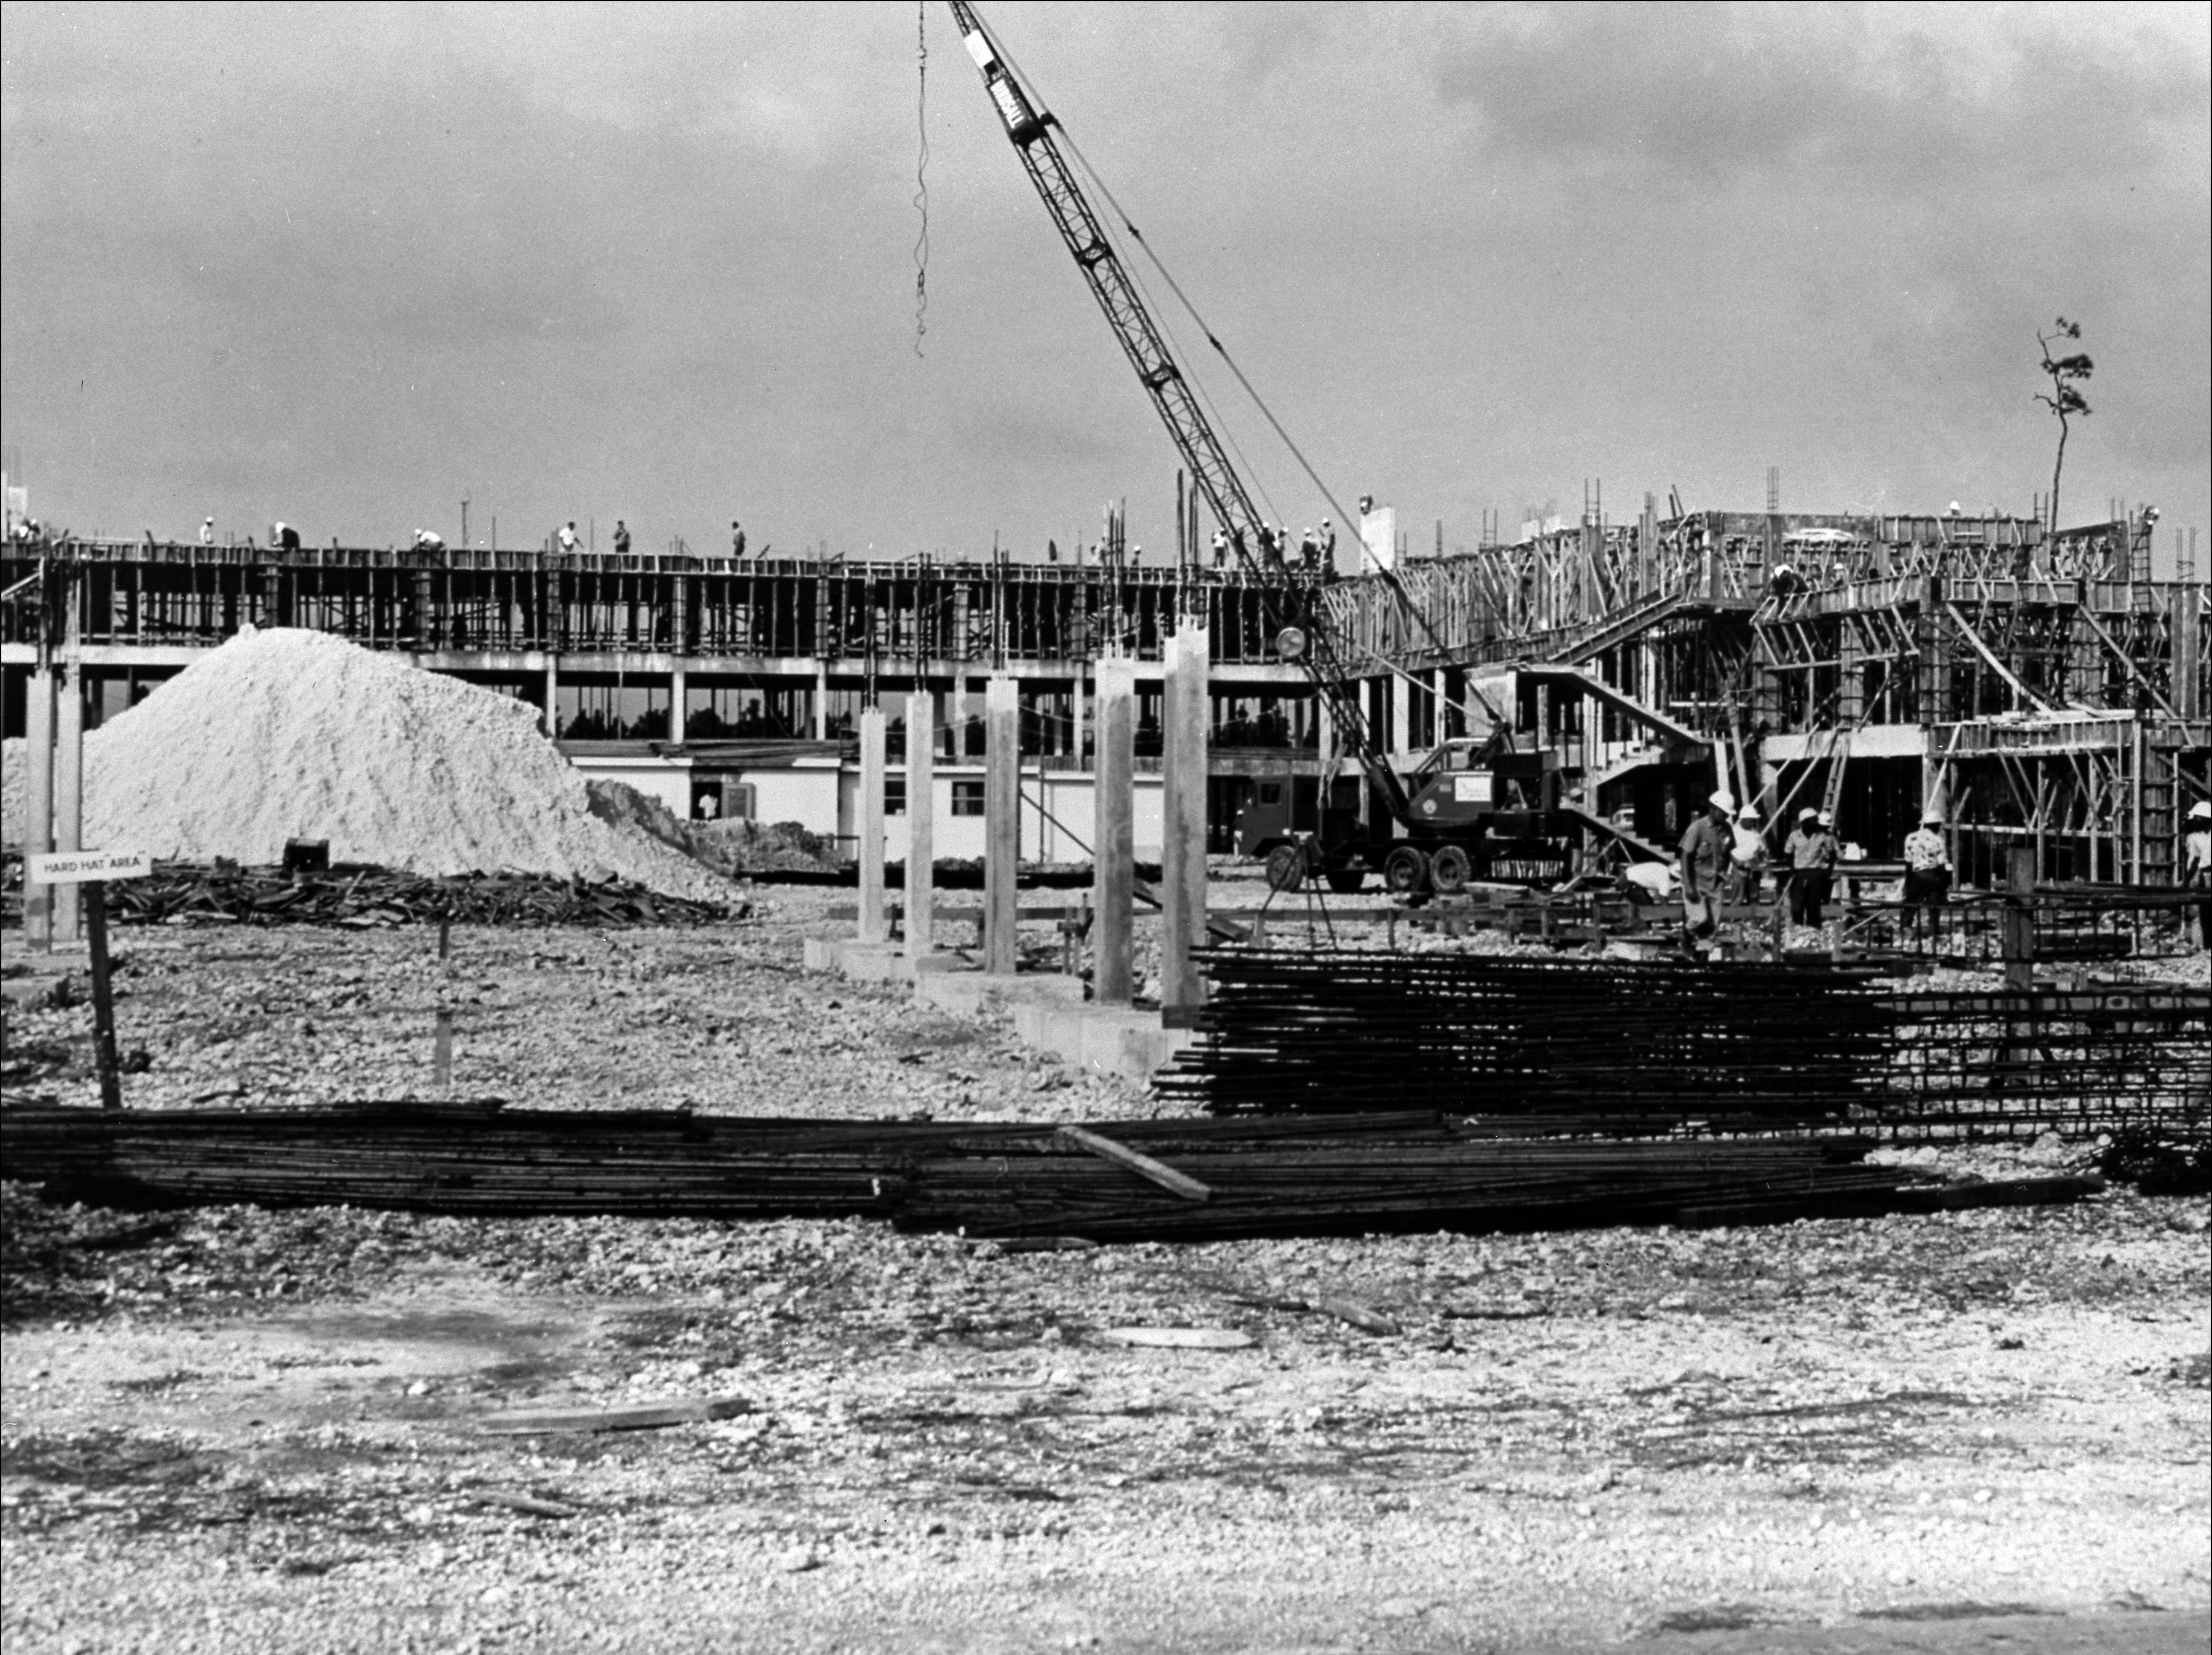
(1809, 814)
(1747, 814)
(1724, 800)
(2202, 808)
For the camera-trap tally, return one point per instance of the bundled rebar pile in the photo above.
(1355, 1030)
(1726, 1047)
(1194, 1180)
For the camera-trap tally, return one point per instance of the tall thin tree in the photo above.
(2062, 399)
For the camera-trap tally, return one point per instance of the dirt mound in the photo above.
(289, 734)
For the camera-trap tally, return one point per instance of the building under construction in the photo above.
(2038, 687)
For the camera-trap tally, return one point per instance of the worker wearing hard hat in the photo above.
(1927, 870)
(1704, 855)
(207, 531)
(1747, 856)
(2197, 867)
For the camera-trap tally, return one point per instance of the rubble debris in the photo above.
(358, 896)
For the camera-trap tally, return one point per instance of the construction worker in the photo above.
(1927, 870)
(1810, 854)
(565, 537)
(737, 538)
(207, 531)
(2197, 867)
(1747, 856)
(1705, 856)
(622, 538)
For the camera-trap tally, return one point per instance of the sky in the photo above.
(347, 265)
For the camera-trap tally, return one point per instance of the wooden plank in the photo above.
(643, 1416)
(1144, 1166)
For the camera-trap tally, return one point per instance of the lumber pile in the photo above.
(359, 896)
(1179, 1180)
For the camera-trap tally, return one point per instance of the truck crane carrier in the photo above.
(1471, 805)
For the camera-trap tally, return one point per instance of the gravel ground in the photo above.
(231, 1429)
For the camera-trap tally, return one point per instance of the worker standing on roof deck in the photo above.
(1927, 870)
(622, 538)
(1810, 855)
(2197, 867)
(737, 538)
(1747, 856)
(1220, 549)
(566, 538)
(429, 540)
(207, 531)
(1705, 853)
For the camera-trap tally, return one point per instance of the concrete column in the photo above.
(1075, 716)
(39, 804)
(1002, 801)
(920, 820)
(69, 794)
(679, 689)
(1183, 812)
(874, 926)
(551, 721)
(1114, 833)
(822, 704)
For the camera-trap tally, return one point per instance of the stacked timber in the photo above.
(1181, 1180)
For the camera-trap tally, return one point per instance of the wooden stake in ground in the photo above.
(103, 997)
(39, 829)
(66, 870)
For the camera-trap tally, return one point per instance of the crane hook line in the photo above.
(920, 176)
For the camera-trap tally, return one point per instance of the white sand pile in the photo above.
(288, 733)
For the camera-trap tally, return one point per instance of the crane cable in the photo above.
(920, 176)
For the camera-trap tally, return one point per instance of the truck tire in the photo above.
(1287, 867)
(1450, 869)
(1405, 870)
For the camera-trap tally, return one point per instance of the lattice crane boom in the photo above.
(1029, 127)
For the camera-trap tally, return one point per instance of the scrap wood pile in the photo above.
(1185, 1180)
(1354, 1030)
(360, 896)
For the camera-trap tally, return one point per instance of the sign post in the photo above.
(93, 869)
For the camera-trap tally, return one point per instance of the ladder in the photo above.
(1840, 755)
